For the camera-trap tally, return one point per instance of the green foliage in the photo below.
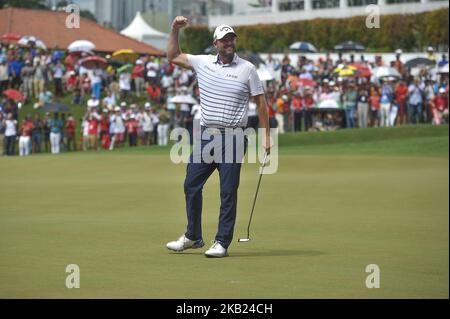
(409, 32)
(29, 4)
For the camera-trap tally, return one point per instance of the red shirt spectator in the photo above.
(308, 102)
(138, 71)
(154, 92)
(104, 124)
(93, 126)
(27, 128)
(70, 127)
(374, 102)
(296, 103)
(132, 126)
(440, 102)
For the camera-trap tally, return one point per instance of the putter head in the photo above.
(243, 240)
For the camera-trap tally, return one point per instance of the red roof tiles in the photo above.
(50, 27)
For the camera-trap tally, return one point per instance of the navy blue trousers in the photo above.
(197, 174)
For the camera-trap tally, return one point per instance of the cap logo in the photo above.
(225, 28)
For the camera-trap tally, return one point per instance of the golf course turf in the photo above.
(339, 201)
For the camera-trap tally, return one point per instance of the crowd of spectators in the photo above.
(111, 109)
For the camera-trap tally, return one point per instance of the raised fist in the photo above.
(179, 22)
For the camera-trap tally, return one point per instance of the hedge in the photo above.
(409, 32)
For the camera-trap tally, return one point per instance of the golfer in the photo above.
(226, 84)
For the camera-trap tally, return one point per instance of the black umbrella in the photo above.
(251, 57)
(55, 107)
(418, 62)
(349, 46)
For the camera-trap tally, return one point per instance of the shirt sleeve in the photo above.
(194, 60)
(255, 84)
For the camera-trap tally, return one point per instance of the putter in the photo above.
(247, 239)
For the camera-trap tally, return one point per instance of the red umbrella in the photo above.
(14, 95)
(363, 70)
(11, 36)
(304, 82)
(93, 62)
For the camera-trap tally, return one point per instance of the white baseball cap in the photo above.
(223, 30)
(441, 90)
(117, 109)
(147, 105)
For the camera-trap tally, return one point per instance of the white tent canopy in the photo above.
(141, 31)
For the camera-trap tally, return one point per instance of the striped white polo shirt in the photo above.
(225, 89)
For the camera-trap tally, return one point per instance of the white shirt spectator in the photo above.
(10, 127)
(152, 69)
(125, 81)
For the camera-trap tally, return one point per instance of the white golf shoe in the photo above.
(216, 250)
(184, 243)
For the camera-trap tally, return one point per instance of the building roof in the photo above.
(50, 27)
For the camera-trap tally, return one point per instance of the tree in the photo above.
(29, 4)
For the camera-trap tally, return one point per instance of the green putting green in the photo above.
(339, 202)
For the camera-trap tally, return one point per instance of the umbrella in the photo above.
(55, 107)
(264, 74)
(303, 47)
(11, 36)
(363, 70)
(14, 95)
(329, 104)
(345, 71)
(385, 72)
(304, 82)
(27, 40)
(126, 56)
(92, 62)
(125, 68)
(443, 69)
(419, 62)
(183, 99)
(251, 57)
(349, 46)
(81, 46)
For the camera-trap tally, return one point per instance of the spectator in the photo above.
(27, 79)
(2, 133)
(297, 109)
(138, 77)
(10, 134)
(350, 98)
(415, 102)
(25, 136)
(363, 107)
(58, 74)
(132, 127)
(70, 131)
(401, 93)
(36, 134)
(125, 85)
(147, 125)
(163, 126)
(374, 108)
(55, 125)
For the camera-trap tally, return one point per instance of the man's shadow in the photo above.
(264, 253)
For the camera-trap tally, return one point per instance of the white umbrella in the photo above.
(384, 71)
(264, 74)
(443, 69)
(183, 99)
(81, 46)
(28, 39)
(331, 104)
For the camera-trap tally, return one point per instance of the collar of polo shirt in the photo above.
(215, 59)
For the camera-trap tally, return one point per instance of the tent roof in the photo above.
(138, 29)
